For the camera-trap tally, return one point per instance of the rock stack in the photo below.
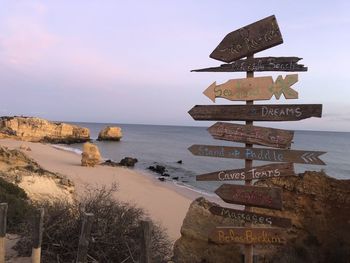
(91, 155)
(110, 134)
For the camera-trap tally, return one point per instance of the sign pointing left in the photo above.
(261, 88)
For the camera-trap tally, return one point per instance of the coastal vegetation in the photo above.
(115, 233)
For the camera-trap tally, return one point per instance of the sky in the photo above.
(130, 61)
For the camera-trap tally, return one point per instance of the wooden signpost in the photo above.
(252, 134)
(268, 112)
(245, 42)
(259, 154)
(289, 64)
(250, 217)
(251, 195)
(258, 172)
(248, 40)
(244, 235)
(261, 88)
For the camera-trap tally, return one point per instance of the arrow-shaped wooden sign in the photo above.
(250, 217)
(289, 64)
(270, 112)
(248, 235)
(248, 40)
(252, 134)
(265, 197)
(258, 172)
(260, 154)
(260, 88)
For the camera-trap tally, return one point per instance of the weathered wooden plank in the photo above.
(266, 197)
(3, 223)
(37, 235)
(248, 235)
(252, 134)
(259, 154)
(3, 219)
(250, 217)
(84, 238)
(259, 88)
(146, 229)
(248, 40)
(258, 172)
(287, 64)
(270, 112)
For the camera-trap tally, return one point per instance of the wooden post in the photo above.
(3, 221)
(248, 253)
(84, 239)
(146, 229)
(37, 235)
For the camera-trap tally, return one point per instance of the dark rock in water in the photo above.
(128, 161)
(159, 169)
(166, 175)
(180, 161)
(162, 179)
(110, 163)
(175, 178)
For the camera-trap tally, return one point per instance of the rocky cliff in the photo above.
(39, 184)
(318, 205)
(110, 134)
(40, 130)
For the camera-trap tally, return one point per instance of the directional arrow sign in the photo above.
(260, 154)
(250, 217)
(259, 172)
(247, 235)
(266, 197)
(260, 88)
(252, 134)
(259, 64)
(248, 40)
(270, 112)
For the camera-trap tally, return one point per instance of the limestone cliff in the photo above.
(39, 184)
(318, 205)
(41, 130)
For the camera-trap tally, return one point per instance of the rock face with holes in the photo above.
(110, 134)
(40, 130)
(91, 155)
(193, 244)
(318, 206)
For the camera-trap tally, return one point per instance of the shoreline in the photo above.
(164, 202)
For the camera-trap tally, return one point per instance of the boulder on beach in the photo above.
(128, 161)
(40, 130)
(91, 155)
(110, 133)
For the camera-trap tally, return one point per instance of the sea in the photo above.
(166, 145)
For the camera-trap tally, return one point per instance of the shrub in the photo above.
(115, 232)
(18, 205)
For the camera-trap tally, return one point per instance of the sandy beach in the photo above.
(163, 202)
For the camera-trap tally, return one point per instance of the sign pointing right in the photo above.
(260, 154)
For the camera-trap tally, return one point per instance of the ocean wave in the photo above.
(67, 149)
(193, 189)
